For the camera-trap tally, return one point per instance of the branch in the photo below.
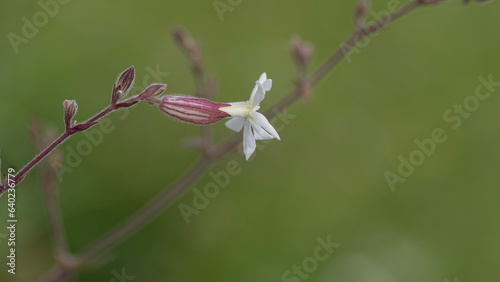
(155, 207)
(145, 215)
(356, 36)
(120, 89)
(40, 139)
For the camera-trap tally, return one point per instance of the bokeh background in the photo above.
(325, 178)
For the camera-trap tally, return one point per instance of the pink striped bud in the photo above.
(193, 109)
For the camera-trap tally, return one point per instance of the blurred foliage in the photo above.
(326, 176)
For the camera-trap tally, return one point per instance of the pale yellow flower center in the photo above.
(238, 111)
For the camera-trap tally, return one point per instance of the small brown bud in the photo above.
(152, 91)
(70, 108)
(361, 12)
(180, 36)
(302, 52)
(123, 85)
(189, 45)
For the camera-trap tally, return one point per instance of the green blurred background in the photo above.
(326, 176)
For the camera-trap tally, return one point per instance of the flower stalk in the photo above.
(120, 89)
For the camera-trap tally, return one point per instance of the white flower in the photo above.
(245, 115)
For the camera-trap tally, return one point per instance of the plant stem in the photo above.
(54, 213)
(19, 177)
(356, 36)
(143, 216)
(59, 274)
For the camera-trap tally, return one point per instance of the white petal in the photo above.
(248, 141)
(259, 95)
(267, 84)
(259, 133)
(262, 121)
(236, 123)
(254, 90)
(263, 77)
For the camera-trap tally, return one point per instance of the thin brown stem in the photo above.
(143, 216)
(100, 115)
(356, 36)
(199, 82)
(59, 274)
(19, 177)
(54, 214)
(40, 139)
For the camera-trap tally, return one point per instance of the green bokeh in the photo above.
(326, 176)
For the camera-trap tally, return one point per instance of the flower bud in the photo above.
(152, 91)
(193, 109)
(190, 46)
(302, 52)
(361, 12)
(70, 108)
(123, 85)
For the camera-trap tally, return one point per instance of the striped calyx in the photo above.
(192, 109)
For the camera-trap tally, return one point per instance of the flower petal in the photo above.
(236, 123)
(259, 95)
(267, 84)
(261, 120)
(259, 133)
(254, 90)
(248, 141)
(263, 77)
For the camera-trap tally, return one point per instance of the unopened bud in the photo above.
(180, 36)
(70, 108)
(123, 85)
(193, 109)
(302, 52)
(361, 12)
(152, 91)
(189, 45)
